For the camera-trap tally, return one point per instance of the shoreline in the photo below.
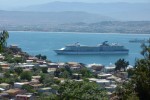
(83, 32)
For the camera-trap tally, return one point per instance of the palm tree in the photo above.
(121, 64)
(4, 35)
(146, 50)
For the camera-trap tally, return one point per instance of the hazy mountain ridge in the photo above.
(32, 18)
(79, 17)
(120, 11)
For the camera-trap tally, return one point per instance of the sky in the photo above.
(9, 4)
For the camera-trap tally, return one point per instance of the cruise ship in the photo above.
(103, 48)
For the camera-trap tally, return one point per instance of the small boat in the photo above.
(139, 41)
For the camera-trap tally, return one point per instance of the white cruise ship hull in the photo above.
(100, 52)
(103, 48)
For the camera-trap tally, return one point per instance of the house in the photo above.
(61, 65)
(25, 66)
(96, 68)
(74, 65)
(15, 91)
(47, 90)
(29, 61)
(15, 49)
(122, 75)
(17, 56)
(20, 84)
(112, 78)
(104, 75)
(1, 75)
(34, 59)
(2, 64)
(2, 57)
(60, 79)
(51, 70)
(109, 69)
(40, 62)
(111, 88)
(76, 76)
(101, 82)
(53, 65)
(36, 77)
(5, 86)
(36, 86)
(24, 97)
(43, 65)
(4, 96)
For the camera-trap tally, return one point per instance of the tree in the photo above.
(44, 69)
(18, 59)
(7, 74)
(18, 70)
(42, 78)
(26, 76)
(1, 69)
(38, 56)
(121, 64)
(28, 88)
(139, 85)
(57, 73)
(44, 57)
(65, 74)
(35, 68)
(73, 90)
(4, 35)
(146, 50)
(86, 72)
(141, 77)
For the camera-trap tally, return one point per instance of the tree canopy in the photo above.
(4, 35)
(73, 90)
(139, 84)
(121, 64)
(26, 76)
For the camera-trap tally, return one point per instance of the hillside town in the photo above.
(26, 77)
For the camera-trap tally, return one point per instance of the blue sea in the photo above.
(45, 42)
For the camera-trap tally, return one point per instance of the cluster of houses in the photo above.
(107, 77)
(15, 91)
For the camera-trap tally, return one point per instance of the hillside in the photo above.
(35, 18)
(121, 11)
(135, 27)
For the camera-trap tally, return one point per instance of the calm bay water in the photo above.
(45, 42)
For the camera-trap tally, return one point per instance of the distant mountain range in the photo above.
(120, 11)
(32, 18)
(79, 17)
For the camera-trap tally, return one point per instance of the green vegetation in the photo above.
(28, 88)
(26, 76)
(138, 88)
(121, 64)
(18, 70)
(72, 90)
(44, 69)
(4, 35)
(39, 56)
